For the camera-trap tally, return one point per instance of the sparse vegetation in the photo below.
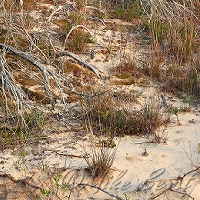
(105, 117)
(175, 46)
(129, 11)
(175, 111)
(100, 160)
(19, 128)
(84, 71)
(78, 40)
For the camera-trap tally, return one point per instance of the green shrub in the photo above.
(17, 129)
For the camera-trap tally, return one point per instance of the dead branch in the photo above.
(8, 83)
(104, 191)
(97, 19)
(64, 154)
(36, 63)
(67, 7)
(170, 188)
(53, 13)
(25, 180)
(81, 61)
(59, 79)
(183, 193)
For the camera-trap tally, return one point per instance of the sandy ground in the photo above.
(142, 169)
(136, 173)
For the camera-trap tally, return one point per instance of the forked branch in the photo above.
(60, 80)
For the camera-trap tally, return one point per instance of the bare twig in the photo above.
(47, 72)
(178, 179)
(183, 193)
(77, 26)
(64, 154)
(25, 180)
(96, 187)
(97, 19)
(81, 61)
(53, 13)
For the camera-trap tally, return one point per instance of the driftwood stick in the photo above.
(81, 61)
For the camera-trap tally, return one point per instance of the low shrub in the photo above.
(16, 130)
(104, 115)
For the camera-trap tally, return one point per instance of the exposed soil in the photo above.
(51, 164)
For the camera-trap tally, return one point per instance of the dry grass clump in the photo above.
(175, 46)
(128, 67)
(77, 18)
(98, 110)
(73, 18)
(183, 80)
(176, 32)
(81, 4)
(100, 160)
(128, 73)
(106, 118)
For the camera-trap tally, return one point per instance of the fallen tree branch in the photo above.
(81, 61)
(24, 180)
(35, 62)
(46, 72)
